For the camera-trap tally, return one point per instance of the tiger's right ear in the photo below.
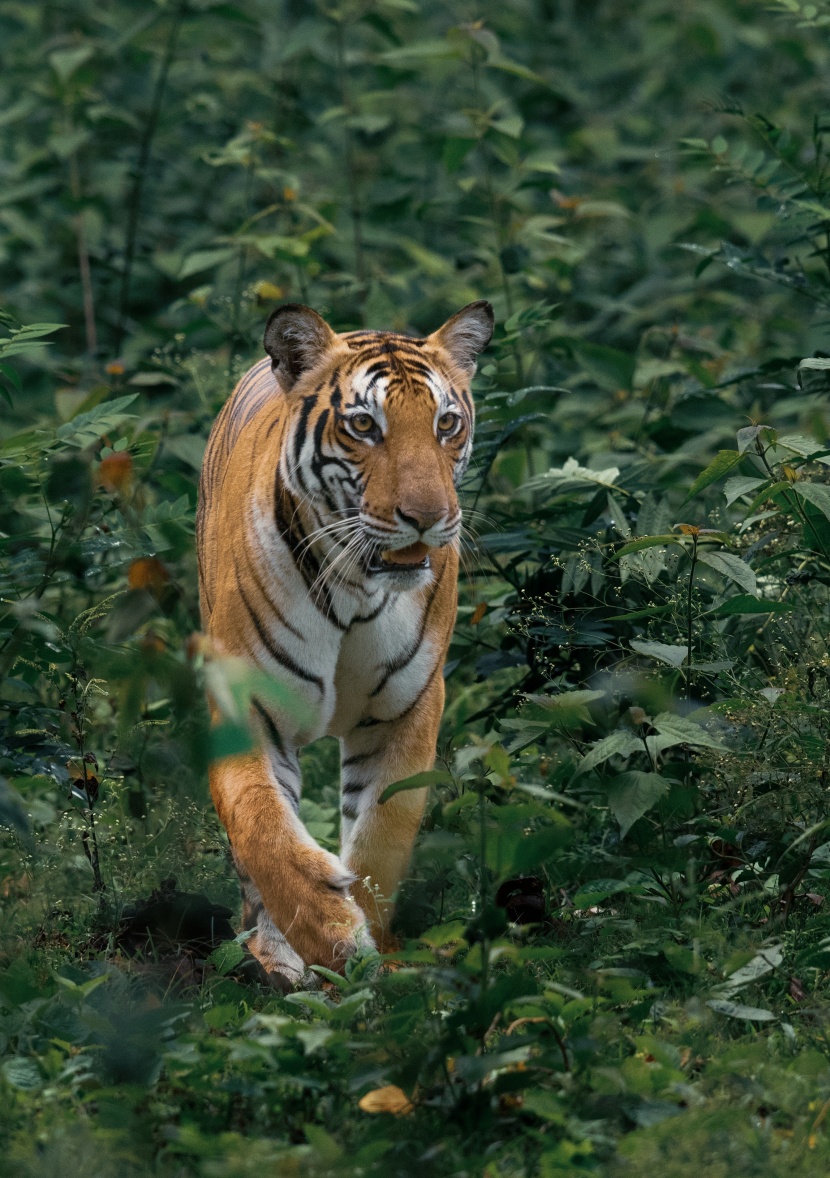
(295, 338)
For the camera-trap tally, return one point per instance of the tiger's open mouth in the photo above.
(400, 560)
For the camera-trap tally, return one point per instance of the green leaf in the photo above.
(66, 61)
(754, 1014)
(646, 542)
(672, 655)
(593, 893)
(741, 485)
(204, 260)
(455, 152)
(190, 448)
(730, 566)
(611, 368)
(684, 730)
(11, 375)
(23, 1073)
(226, 956)
(418, 52)
(743, 603)
(632, 794)
(12, 809)
(716, 469)
(764, 962)
(417, 781)
(568, 709)
(815, 493)
(816, 363)
(87, 428)
(621, 743)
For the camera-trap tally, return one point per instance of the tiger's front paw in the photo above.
(325, 926)
(342, 932)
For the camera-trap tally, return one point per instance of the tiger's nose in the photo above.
(422, 518)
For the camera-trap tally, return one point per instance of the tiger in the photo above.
(328, 529)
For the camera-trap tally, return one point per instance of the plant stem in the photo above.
(689, 615)
(355, 207)
(136, 192)
(83, 256)
(497, 229)
(482, 886)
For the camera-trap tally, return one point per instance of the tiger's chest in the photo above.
(383, 665)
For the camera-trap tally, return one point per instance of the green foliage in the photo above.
(614, 945)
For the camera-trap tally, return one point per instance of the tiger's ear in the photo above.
(466, 334)
(295, 338)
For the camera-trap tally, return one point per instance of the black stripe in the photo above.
(276, 652)
(403, 660)
(302, 427)
(371, 617)
(373, 721)
(306, 562)
(349, 811)
(273, 731)
(354, 787)
(358, 759)
(274, 609)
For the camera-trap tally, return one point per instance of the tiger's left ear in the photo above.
(466, 334)
(296, 338)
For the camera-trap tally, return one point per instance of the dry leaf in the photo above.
(389, 1099)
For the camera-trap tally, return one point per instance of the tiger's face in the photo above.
(381, 429)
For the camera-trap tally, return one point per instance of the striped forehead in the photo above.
(386, 371)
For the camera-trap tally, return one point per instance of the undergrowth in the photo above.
(615, 942)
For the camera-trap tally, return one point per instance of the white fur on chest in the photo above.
(383, 665)
(375, 668)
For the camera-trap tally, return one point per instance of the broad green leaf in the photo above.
(190, 448)
(741, 485)
(684, 730)
(611, 368)
(621, 743)
(815, 493)
(568, 709)
(417, 52)
(226, 956)
(730, 566)
(632, 794)
(764, 962)
(747, 436)
(716, 469)
(799, 444)
(23, 1073)
(673, 656)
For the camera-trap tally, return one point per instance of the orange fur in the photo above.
(339, 449)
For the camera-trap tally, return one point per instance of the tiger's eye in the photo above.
(447, 422)
(362, 423)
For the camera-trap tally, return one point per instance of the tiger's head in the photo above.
(380, 433)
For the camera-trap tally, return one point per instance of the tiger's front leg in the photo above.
(377, 837)
(295, 891)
